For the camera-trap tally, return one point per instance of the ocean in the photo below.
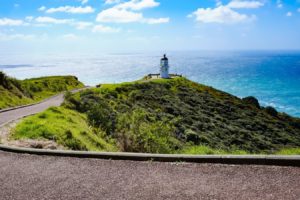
(273, 77)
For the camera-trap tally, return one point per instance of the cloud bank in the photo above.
(71, 9)
(129, 12)
(226, 14)
(10, 22)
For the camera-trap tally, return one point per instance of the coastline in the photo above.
(263, 74)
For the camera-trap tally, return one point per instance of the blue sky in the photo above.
(148, 25)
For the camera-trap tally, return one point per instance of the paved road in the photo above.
(12, 115)
(44, 177)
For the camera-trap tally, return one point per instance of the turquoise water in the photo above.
(271, 76)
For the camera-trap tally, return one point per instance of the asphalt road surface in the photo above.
(44, 177)
(11, 115)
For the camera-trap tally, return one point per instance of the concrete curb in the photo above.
(221, 159)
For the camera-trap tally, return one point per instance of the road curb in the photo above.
(221, 159)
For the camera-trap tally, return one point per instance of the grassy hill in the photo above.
(15, 92)
(176, 116)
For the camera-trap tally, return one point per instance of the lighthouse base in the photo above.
(158, 76)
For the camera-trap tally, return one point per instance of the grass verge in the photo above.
(66, 127)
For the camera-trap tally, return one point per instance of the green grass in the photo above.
(205, 150)
(67, 127)
(13, 97)
(289, 151)
(15, 92)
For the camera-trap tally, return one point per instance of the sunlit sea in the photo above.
(271, 76)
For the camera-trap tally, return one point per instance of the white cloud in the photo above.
(244, 4)
(138, 4)
(82, 25)
(52, 20)
(105, 29)
(44, 21)
(42, 8)
(128, 12)
(119, 16)
(115, 15)
(289, 14)
(71, 9)
(157, 21)
(29, 18)
(221, 14)
(219, 3)
(226, 14)
(10, 22)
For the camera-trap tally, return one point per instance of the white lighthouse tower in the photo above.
(164, 67)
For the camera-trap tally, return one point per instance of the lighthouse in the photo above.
(164, 67)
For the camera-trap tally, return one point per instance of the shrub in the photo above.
(102, 116)
(75, 144)
(3, 80)
(137, 134)
(252, 101)
(271, 111)
(191, 136)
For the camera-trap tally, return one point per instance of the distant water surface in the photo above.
(271, 76)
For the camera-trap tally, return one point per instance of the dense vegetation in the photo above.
(180, 116)
(15, 92)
